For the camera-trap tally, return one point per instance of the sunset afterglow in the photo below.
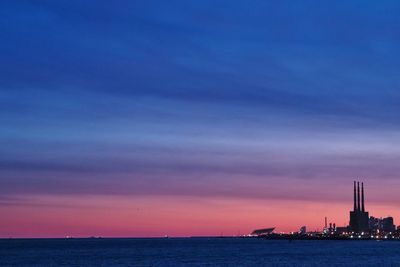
(144, 119)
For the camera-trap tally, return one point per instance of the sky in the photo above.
(180, 118)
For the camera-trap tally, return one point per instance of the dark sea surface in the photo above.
(197, 252)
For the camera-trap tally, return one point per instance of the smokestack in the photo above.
(362, 197)
(326, 222)
(355, 201)
(358, 196)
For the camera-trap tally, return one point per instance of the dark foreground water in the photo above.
(196, 252)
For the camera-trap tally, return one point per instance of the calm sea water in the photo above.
(196, 252)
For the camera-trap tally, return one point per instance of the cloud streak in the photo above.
(207, 99)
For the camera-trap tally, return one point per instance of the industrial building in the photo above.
(361, 226)
(382, 224)
(359, 218)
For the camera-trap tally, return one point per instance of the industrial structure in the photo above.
(359, 218)
(382, 224)
(360, 222)
(361, 225)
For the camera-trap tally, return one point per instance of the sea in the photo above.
(197, 252)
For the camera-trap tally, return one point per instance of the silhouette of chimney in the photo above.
(358, 196)
(362, 197)
(355, 201)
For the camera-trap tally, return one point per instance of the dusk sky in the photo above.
(153, 118)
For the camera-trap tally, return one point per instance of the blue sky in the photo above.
(197, 98)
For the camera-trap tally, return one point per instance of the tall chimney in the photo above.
(358, 196)
(326, 223)
(362, 197)
(355, 201)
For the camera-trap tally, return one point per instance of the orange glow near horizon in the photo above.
(48, 216)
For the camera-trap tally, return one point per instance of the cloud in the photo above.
(171, 98)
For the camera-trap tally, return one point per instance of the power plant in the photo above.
(358, 216)
(360, 222)
(361, 225)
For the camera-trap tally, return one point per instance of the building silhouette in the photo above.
(382, 224)
(359, 218)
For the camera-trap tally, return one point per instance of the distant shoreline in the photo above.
(287, 238)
